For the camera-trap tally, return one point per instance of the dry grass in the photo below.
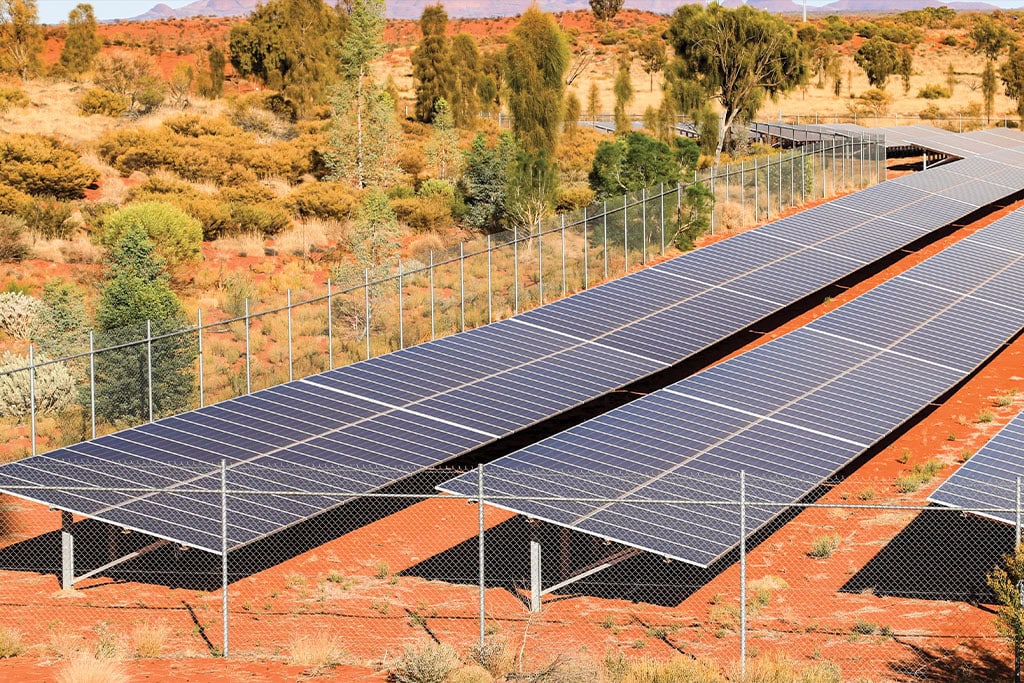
(10, 643)
(78, 249)
(83, 669)
(675, 669)
(148, 640)
(780, 669)
(315, 651)
(245, 244)
(308, 235)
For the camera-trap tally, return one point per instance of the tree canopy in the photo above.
(632, 162)
(431, 62)
(292, 46)
(82, 44)
(737, 56)
(879, 58)
(605, 10)
(21, 39)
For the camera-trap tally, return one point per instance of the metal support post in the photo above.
(366, 302)
(433, 328)
(586, 251)
(291, 351)
(92, 382)
(540, 261)
(605, 239)
(515, 273)
(67, 550)
(1018, 646)
(743, 575)
(330, 328)
(661, 196)
(224, 553)
(462, 286)
(768, 188)
(149, 366)
(643, 224)
(248, 354)
(757, 199)
(480, 549)
(535, 566)
(199, 327)
(625, 231)
(564, 284)
(743, 196)
(401, 305)
(490, 283)
(713, 198)
(32, 392)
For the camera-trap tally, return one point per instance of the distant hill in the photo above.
(471, 9)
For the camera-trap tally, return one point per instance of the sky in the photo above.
(56, 11)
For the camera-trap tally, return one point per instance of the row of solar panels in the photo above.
(376, 422)
(789, 413)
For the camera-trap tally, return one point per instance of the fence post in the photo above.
(32, 392)
(606, 239)
(224, 553)
(462, 286)
(92, 382)
(625, 231)
(149, 366)
(743, 195)
(366, 302)
(781, 191)
(401, 306)
(564, 284)
(515, 272)
(490, 284)
(768, 188)
(586, 251)
(480, 531)
(661, 196)
(199, 326)
(1020, 585)
(330, 328)
(540, 259)
(433, 329)
(643, 225)
(248, 359)
(291, 355)
(711, 178)
(743, 575)
(757, 198)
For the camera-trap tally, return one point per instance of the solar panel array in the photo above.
(988, 481)
(789, 413)
(932, 139)
(357, 429)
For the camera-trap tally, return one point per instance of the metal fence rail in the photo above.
(126, 377)
(865, 580)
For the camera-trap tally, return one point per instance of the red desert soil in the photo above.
(374, 611)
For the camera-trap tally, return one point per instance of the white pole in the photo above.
(366, 302)
(291, 353)
(401, 305)
(149, 366)
(224, 552)
(199, 326)
(32, 392)
(248, 352)
(462, 286)
(92, 382)
(330, 329)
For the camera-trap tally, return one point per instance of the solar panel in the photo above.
(789, 413)
(367, 425)
(987, 483)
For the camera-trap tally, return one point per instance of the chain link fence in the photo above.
(122, 378)
(861, 581)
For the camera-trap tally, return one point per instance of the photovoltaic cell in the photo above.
(788, 414)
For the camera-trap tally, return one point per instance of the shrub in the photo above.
(329, 201)
(986, 416)
(934, 91)
(43, 166)
(315, 651)
(48, 218)
(424, 213)
(573, 198)
(246, 193)
(949, 40)
(10, 643)
(84, 669)
(267, 218)
(102, 102)
(12, 244)
(13, 201)
(12, 97)
(177, 236)
(19, 314)
(824, 546)
(428, 663)
(54, 384)
(148, 640)
(922, 473)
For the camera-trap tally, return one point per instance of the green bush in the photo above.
(574, 198)
(54, 386)
(949, 40)
(326, 200)
(268, 218)
(934, 91)
(103, 102)
(12, 243)
(43, 166)
(49, 218)
(13, 201)
(19, 314)
(246, 193)
(12, 97)
(424, 213)
(177, 236)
